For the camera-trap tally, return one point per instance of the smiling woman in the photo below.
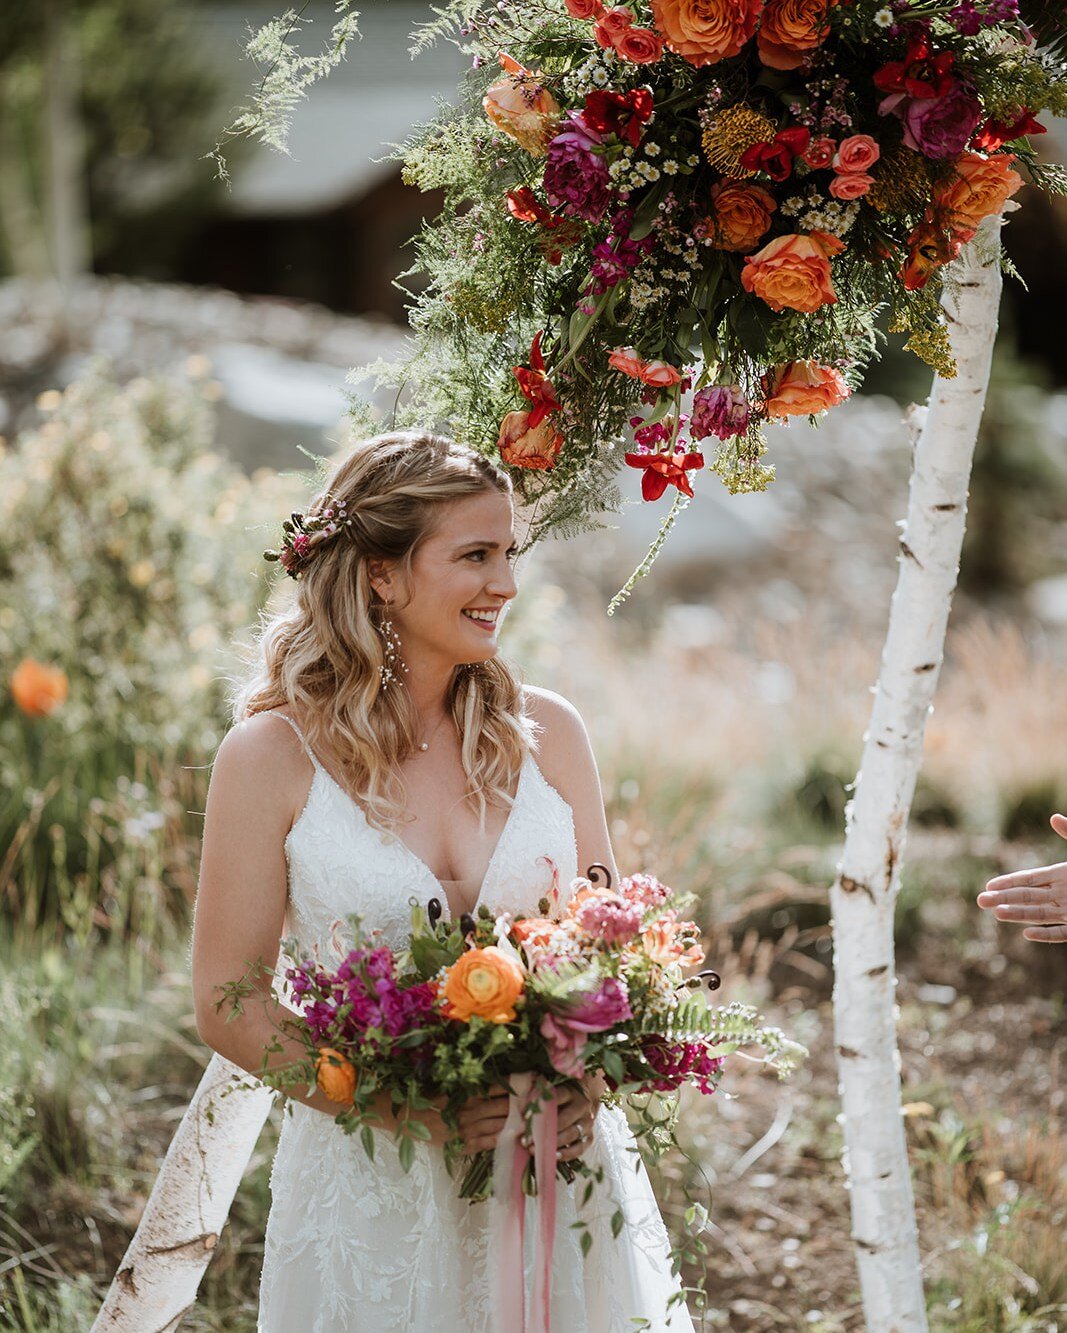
(383, 754)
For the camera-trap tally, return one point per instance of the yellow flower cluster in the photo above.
(481, 312)
(734, 130)
(901, 184)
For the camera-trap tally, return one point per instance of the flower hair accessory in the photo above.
(304, 535)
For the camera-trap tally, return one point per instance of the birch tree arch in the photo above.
(864, 895)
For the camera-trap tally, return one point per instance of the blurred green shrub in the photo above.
(130, 558)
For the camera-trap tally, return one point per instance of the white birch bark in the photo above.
(157, 1281)
(863, 897)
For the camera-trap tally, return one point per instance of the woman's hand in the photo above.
(482, 1118)
(1036, 898)
(577, 1108)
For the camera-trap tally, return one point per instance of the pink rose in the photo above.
(584, 9)
(851, 186)
(819, 153)
(641, 46)
(858, 152)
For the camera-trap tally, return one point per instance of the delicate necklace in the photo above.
(425, 745)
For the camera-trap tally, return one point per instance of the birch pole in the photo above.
(863, 897)
(157, 1281)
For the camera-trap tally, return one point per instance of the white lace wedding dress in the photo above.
(355, 1245)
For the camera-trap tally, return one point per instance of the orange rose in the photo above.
(534, 930)
(706, 31)
(789, 29)
(979, 189)
(335, 1076)
(38, 689)
(521, 445)
(741, 215)
(793, 272)
(486, 982)
(801, 388)
(521, 107)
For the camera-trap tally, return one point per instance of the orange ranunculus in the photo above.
(741, 215)
(520, 106)
(706, 31)
(37, 688)
(801, 388)
(789, 29)
(486, 982)
(523, 445)
(980, 188)
(335, 1076)
(793, 272)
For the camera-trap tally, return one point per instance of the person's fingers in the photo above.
(1050, 912)
(1046, 934)
(1059, 824)
(1027, 896)
(1038, 878)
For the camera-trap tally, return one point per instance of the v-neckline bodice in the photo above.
(413, 856)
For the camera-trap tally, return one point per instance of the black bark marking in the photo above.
(850, 885)
(879, 971)
(926, 666)
(847, 1053)
(206, 1241)
(945, 509)
(910, 553)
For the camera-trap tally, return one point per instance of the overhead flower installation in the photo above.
(691, 212)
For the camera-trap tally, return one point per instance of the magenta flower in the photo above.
(721, 410)
(681, 1062)
(576, 176)
(937, 127)
(596, 1011)
(610, 918)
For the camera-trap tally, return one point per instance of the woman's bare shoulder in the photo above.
(264, 755)
(562, 739)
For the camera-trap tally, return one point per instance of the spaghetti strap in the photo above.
(307, 748)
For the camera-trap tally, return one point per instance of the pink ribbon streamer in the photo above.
(508, 1210)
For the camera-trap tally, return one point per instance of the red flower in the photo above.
(557, 233)
(535, 385)
(776, 157)
(663, 470)
(919, 74)
(618, 113)
(995, 134)
(929, 246)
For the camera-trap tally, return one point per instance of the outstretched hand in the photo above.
(1035, 898)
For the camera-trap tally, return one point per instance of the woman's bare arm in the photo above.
(240, 905)
(566, 759)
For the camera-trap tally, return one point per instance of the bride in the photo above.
(384, 751)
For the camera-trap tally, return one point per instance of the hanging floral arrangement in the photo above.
(669, 224)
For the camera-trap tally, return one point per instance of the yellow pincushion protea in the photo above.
(901, 184)
(732, 132)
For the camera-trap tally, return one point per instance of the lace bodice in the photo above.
(340, 863)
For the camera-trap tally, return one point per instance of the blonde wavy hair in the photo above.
(323, 655)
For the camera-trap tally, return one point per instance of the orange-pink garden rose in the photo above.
(801, 388)
(521, 445)
(658, 374)
(520, 106)
(483, 982)
(38, 688)
(790, 29)
(741, 215)
(706, 31)
(793, 272)
(980, 188)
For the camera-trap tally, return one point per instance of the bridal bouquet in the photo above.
(674, 221)
(600, 985)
